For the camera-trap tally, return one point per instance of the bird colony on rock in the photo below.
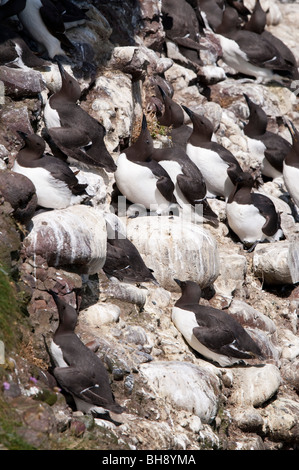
(170, 182)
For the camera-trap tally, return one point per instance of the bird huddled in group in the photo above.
(189, 169)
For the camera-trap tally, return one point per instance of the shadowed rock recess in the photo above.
(114, 261)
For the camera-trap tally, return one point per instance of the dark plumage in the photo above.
(78, 370)
(218, 165)
(275, 147)
(252, 216)
(71, 132)
(56, 185)
(250, 53)
(213, 333)
(173, 117)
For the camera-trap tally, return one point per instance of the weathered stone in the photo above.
(181, 250)
(19, 83)
(233, 268)
(19, 191)
(281, 420)
(255, 385)
(72, 238)
(186, 385)
(100, 314)
(270, 263)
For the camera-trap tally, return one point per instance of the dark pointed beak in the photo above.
(188, 111)
(22, 134)
(61, 69)
(179, 283)
(144, 123)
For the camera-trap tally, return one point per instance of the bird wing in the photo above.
(80, 385)
(164, 182)
(221, 333)
(261, 52)
(54, 22)
(276, 152)
(59, 170)
(267, 208)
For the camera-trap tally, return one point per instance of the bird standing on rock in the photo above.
(71, 132)
(271, 147)
(44, 23)
(252, 54)
(57, 187)
(142, 180)
(78, 370)
(218, 165)
(252, 216)
(213, 333)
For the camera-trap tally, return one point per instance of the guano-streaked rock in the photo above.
(72, 238)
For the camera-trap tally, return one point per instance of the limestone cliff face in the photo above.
(174, 399)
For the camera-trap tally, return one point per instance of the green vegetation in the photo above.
(10, 311)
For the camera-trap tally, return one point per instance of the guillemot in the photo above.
(57, 187)
(213, 333)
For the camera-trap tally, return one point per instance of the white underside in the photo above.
(51, 193)
(138, 184)
(247, 222)
(51, 116)
(291, 179)
(57, 355)
(81, 405)
(186, 209)
(234, 57)
(257, 150)
(213, 169)
(185, 321)
(32, 21)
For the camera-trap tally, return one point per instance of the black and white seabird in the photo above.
(213, 333)
(252, 216)
(123, 260)
(44, 23)
(251, 54)
(11, 8)
(218, 165)
(272, 148)
(211, 12)
(257, 24)
(56, 185)
(71, 14)
(78, 370)
(181, 26)
(142, 180)
(14, 51)
(173, 117)
(291, 166)
(257, 20)
(70, 131)
(189, 185)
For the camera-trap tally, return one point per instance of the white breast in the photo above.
(238, 60)
(57, 355)
(51, 193)
(185, 321)
(51, 116)
(213, 169)
(32, 21)
(138, 184)
(246, 221)
(291, 179)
